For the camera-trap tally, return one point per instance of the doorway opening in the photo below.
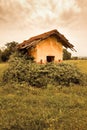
(50, 58)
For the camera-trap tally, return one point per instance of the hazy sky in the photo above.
(21, 19)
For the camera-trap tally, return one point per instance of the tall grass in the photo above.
(23, 107)
(81, 64)
(3, 67)
(26, 108)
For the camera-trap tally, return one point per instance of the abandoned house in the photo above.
(46, 47)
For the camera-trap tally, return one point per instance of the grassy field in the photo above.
(3, 67)
(54, 108)
(81, 64)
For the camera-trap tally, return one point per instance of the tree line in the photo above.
(10, 48)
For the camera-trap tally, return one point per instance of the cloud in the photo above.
(42, 14)
(20, 19)
(26, 12)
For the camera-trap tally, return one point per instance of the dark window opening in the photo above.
(50, 58)
(41, 61)
(59, 60)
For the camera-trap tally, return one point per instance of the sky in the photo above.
(22, 19)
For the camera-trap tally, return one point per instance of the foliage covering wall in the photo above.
(22, 69)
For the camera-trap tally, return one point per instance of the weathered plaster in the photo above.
(48, 47)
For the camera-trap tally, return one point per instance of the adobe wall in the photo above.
(48, 47)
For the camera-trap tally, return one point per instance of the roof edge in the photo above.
(43, 36)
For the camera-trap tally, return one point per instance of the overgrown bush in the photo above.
(22, 69)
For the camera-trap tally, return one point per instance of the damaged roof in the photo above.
(36, 39)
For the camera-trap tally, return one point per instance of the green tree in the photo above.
(9, 50)
(11, 46)
(66, 55)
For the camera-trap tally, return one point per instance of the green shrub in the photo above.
(22, 69)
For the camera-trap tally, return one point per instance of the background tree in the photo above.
(66, 55)
(9, 50)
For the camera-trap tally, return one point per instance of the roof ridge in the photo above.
(35, 39)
